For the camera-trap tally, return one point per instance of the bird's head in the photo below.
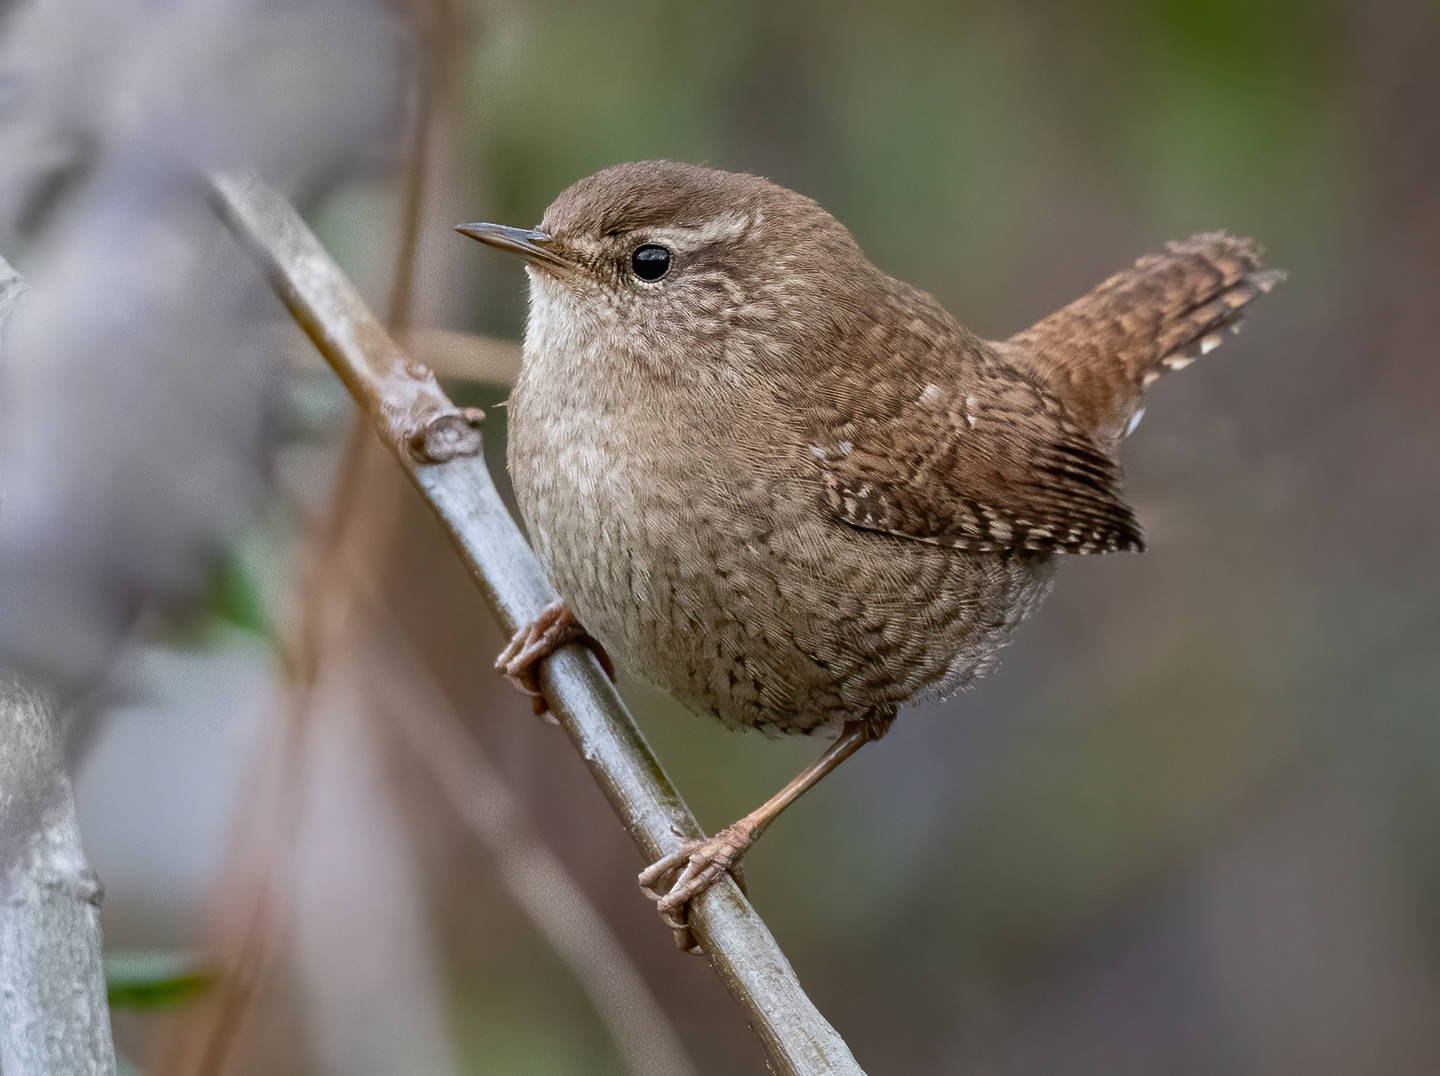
(671, 265)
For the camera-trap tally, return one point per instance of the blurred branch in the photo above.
(53, 1013)
(440, 447)
(533, 876)
(464, 356)
(12, 287)
(256, 884)
(440, 29)
(255, 895)
(451, 355)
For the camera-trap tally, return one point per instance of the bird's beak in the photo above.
(530, 243)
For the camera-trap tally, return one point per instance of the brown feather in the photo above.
(939, 438)
(795, 490)
(1101, 352)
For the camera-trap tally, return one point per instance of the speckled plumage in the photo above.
(792, 489)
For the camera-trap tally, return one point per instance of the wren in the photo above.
(793, 490)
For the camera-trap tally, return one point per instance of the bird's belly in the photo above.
(746, 601)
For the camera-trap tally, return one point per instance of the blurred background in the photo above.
(1192, 823)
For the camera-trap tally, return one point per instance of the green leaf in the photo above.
(154, 980)
(235, 595)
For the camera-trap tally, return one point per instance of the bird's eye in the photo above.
(650, 262)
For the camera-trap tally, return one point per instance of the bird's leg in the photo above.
(673, 881)
(555, 627)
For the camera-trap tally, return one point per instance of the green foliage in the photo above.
(944, 136)
(155, 980)
(236, 598)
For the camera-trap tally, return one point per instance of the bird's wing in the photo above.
(994, 466)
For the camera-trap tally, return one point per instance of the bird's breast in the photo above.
(616, 499)
(706, 564)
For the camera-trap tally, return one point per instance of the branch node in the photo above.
(448, 435)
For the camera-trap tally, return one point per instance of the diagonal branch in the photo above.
(440, 447)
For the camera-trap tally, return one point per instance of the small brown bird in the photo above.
(792, 489)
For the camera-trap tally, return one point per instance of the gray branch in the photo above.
(439, 447)
(54, 1018)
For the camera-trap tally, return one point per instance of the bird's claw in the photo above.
(676, 879)
(519, 662)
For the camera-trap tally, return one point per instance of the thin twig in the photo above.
(439, 447)
(256, 890)
(535, 879)
(451, 355)
(440, 33)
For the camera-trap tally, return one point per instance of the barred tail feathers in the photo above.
(1102, 351)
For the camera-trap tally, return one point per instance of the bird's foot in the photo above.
(555, 627)
(673, 881)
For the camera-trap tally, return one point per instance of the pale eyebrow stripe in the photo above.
(730, 226)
